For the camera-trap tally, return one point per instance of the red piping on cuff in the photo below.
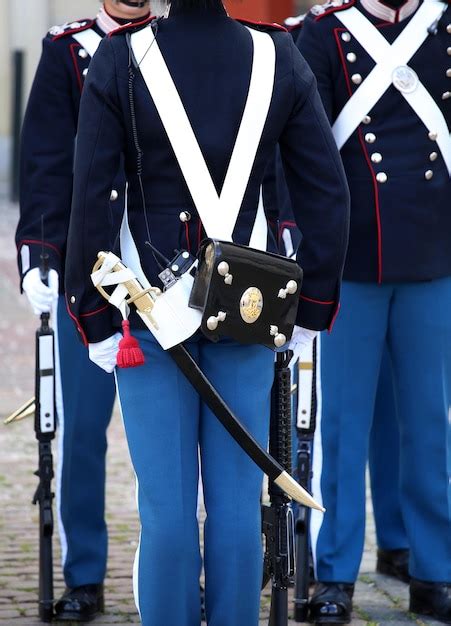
(102, 308)
(331, 325)
(38, 243)
(317, 301)
(79, 328)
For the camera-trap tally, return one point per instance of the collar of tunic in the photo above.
(388, 14)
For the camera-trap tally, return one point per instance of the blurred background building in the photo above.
(22, 27)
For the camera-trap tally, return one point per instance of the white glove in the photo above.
(300, 340)
(39, 295)
(104, 353)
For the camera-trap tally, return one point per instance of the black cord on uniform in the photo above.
(139, 153)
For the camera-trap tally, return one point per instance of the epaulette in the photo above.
(132, 26)
(294, 25)
(69, 28)
(332, 6)
(263, 26)
(294, 22)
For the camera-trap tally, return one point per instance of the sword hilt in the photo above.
(142, 298)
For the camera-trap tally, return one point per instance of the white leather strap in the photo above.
(259, 236)
(218, 213)
(129, 251)
(89, 39)
(306, 367)
(176, 321)
(389, 58)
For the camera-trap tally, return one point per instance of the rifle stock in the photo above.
(278, 522)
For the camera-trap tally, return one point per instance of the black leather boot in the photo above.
(394, 563)
(433, 599)
(331, 603)
(81, 604)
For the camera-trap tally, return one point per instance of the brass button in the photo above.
(82, 53)
(428, 174)
(85, 72)
(433, 156)
(381, 177)
(346, 37)
(356, 79)
(352, 58)
(114, 195)
(370, 138)
(73, 299)
(376, 157)
(448, 72)
(448, 51)
(446, 95)
(366, 119)
(448, 29)
(432, 135)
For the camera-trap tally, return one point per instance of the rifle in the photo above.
(45, 427)
(277, 517)
(42, 406)
(306, 425)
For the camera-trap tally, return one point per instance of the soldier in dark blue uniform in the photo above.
(85, 395)
(392, 552)
(384, 73)
(210, 58)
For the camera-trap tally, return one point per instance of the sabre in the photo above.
(144, 301)
(26, 410)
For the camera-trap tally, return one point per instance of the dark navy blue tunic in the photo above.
(400, 229)
(47, 148)
(210, 57)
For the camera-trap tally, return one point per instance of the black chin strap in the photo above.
(394, 4)
(136, 5)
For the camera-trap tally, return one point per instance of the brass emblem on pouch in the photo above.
(251, 305)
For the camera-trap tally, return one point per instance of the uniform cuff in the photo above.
(316, 314)
(93, 326)
(29, 256)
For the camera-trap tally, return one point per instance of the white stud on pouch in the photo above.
(213, 322)
(223, 270)
(291, 289)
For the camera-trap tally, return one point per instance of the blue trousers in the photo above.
(384, 464)
(383, 461)
(413, 320)
(83, 416)
(166, 426)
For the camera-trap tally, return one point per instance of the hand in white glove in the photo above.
(300, 340)
(39, 295)
(104, 353)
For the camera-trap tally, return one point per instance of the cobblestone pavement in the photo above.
(378, 599)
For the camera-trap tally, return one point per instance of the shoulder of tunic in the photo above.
(319, 11)
(132, 27)
(69, 28)
(263, 26)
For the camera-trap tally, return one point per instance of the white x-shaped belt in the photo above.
(89, 39)
(392, 69)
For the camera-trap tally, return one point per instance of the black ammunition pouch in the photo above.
(246, 294)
